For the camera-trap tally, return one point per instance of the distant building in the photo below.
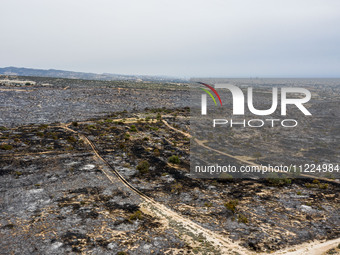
(7, 82)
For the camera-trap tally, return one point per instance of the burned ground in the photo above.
(55, 196)
(58, 197)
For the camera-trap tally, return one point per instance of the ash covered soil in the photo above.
(55, 198)
(62, 100)
(59, 197)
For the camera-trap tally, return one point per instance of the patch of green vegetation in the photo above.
(231, 205)
(43, 126)
(41, 134)
(6, 147)
(18, 173)
(257, 155)
(121, 253)
(90, 127)
(153, 128)
(316, 181)
(71, 139)
(133, 128)
(143, 167)
(127, 136)
(2, 128)
(206, 204)
(275, 180)
(137, 215)
(226, 176)
(309, 185)
(174, 159)
(75, 123)
(156, 153)
(177, 187)
(323, 185)
(242, 218)
(316, 184)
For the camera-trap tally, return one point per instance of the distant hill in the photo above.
(20, 71)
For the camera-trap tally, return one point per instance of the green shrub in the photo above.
(121, 253)
(275, 180)
(242, 218)
(41, 134)
(133, 128)
(71, 139)
(156, 153)
(174, 159)
(137, 215)
(89, 127)
(143, 167)
(176, 187)
(257, 155)
(323, 185)
(6, 147)
(43, 126)
(308, 185)
(316, 181)
(226, 176)
(231, 205)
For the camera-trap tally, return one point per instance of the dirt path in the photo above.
(185, 226)
(191, 230)
(242, 159)
(313, 248)
(310, 248)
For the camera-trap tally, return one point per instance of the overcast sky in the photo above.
(225, 38)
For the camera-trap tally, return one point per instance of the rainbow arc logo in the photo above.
(209, 93)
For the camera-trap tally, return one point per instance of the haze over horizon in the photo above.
(175, 38)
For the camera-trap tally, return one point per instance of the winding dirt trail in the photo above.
(241, 158)
(189, 228)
